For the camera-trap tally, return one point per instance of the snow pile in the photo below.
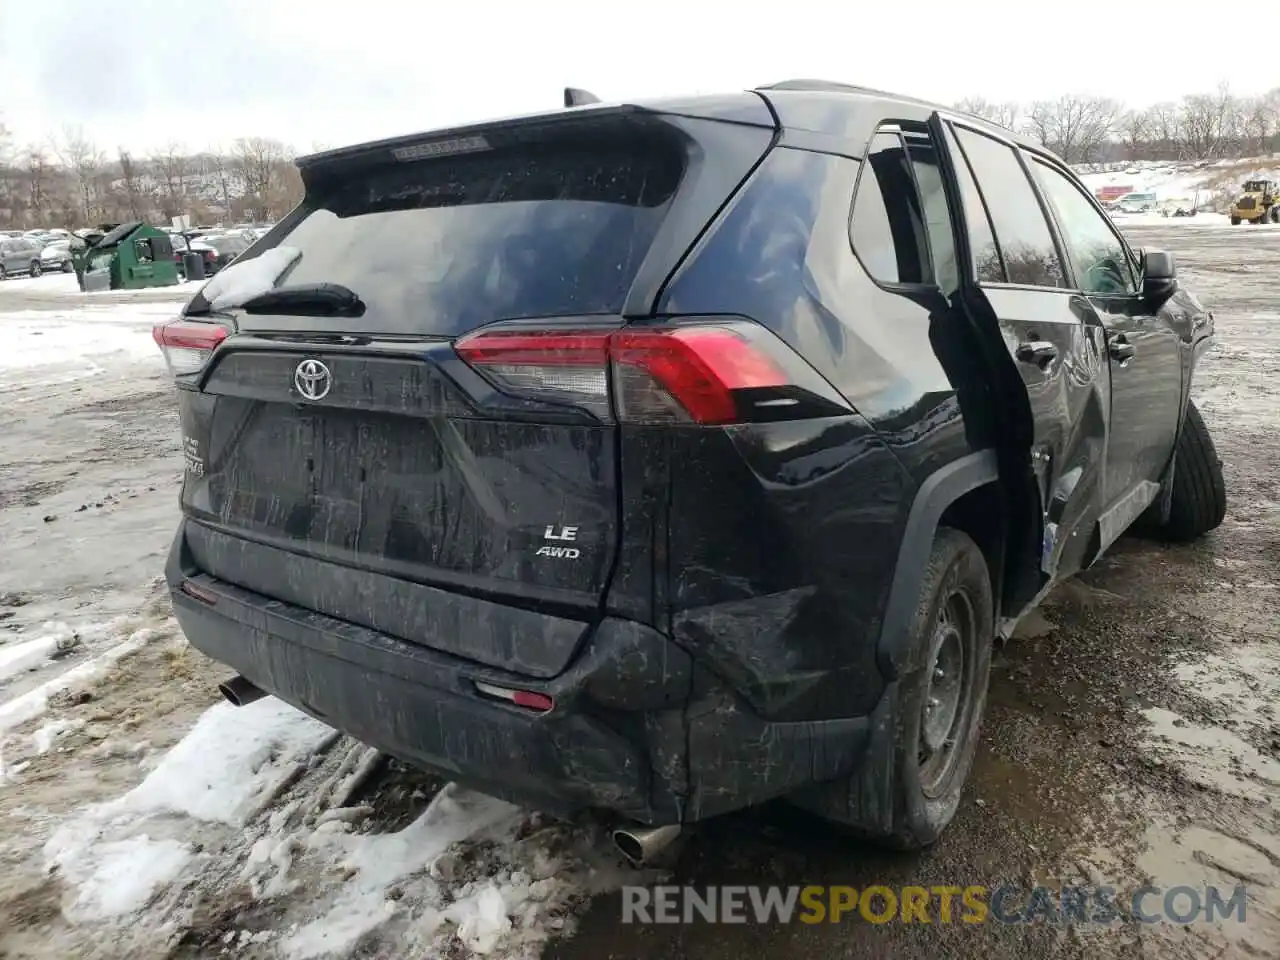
(245, 279)
(251, 808)
(379, 862)
(33, 703)
(119, 855)
(56, 640)
(470, 871)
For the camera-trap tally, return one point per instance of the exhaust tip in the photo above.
(239, 692)
(629, 846)
(643, 845)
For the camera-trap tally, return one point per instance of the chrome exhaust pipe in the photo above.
(238, 691)
(641, 845)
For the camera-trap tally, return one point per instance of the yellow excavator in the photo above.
(1259, 202)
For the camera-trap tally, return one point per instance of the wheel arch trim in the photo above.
(940, 490)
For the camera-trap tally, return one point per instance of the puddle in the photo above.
(1213, 757)
(1202, 856)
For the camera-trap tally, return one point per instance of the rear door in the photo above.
(360, 455)
(1015, 273)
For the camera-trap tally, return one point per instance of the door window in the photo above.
(1022, 233)
(1096, 252)
(901, 225)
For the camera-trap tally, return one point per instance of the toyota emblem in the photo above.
(313, 379)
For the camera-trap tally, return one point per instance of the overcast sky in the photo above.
(141, 73)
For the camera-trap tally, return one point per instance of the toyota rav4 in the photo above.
(667, 458)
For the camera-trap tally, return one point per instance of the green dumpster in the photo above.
(130, 257)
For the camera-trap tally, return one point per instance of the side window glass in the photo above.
(987, 265)
(1026, 245)
(887, 228)
(937, 214)
(901, 225)
(1095, 250)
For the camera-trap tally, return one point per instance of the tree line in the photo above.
(1088, 129)
(69, 181)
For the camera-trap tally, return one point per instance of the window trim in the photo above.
(1050, 222)
(895, 126)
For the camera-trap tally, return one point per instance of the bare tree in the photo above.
(1164, 128)
(1259, 118)
(219, 166)
(84, 161)
(1134, 128)
(1074, 127)
(173, 166)
(261, 164)
(39, 176)
(1208, 122)
(131, 189)
(1004, 114)
(10, 182)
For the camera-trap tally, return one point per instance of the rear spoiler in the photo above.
(587, 121)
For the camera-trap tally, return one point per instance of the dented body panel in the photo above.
(719, 612)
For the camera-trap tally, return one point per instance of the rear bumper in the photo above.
(638, 728)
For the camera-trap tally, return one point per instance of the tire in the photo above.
(67, 267)
(952, 632)
(35, 268)
(4, 274)
(1199, 500)
(1235, 221)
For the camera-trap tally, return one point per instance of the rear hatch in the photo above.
(401, 416)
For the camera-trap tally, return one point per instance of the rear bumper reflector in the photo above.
(528, 699)
(199, 593)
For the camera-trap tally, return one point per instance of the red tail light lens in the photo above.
(187, 345)
(708, 373)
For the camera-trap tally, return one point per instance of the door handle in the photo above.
(1039, 352)
(1120, 349)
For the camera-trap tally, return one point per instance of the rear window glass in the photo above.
(443, 246)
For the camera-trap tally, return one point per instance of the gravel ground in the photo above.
(1132, 735)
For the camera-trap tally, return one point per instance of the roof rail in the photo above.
(828, 86)
(573, 97)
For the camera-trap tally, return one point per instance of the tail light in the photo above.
(187, 345)
(715, 372)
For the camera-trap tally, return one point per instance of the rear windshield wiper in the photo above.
(308, 300)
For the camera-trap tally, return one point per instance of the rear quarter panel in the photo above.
(783, 537)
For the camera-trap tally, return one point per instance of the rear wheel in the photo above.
(934, 723)
(35, 268)
(4, 274)
(1235, 221)
(1199, 497)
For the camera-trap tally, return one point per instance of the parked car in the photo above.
(227, 247)
(700, 465)
(1137, 203)
(182, 245)
(56, 257)
(19, 256)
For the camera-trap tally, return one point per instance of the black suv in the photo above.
(668, 458)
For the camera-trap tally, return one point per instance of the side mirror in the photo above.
(1159, 276)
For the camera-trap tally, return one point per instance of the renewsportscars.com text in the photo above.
(938, 904)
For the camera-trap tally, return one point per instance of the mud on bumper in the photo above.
(638, 728)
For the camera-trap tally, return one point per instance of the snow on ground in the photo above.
(1200, 182)
(64, 345)
(66, 283)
